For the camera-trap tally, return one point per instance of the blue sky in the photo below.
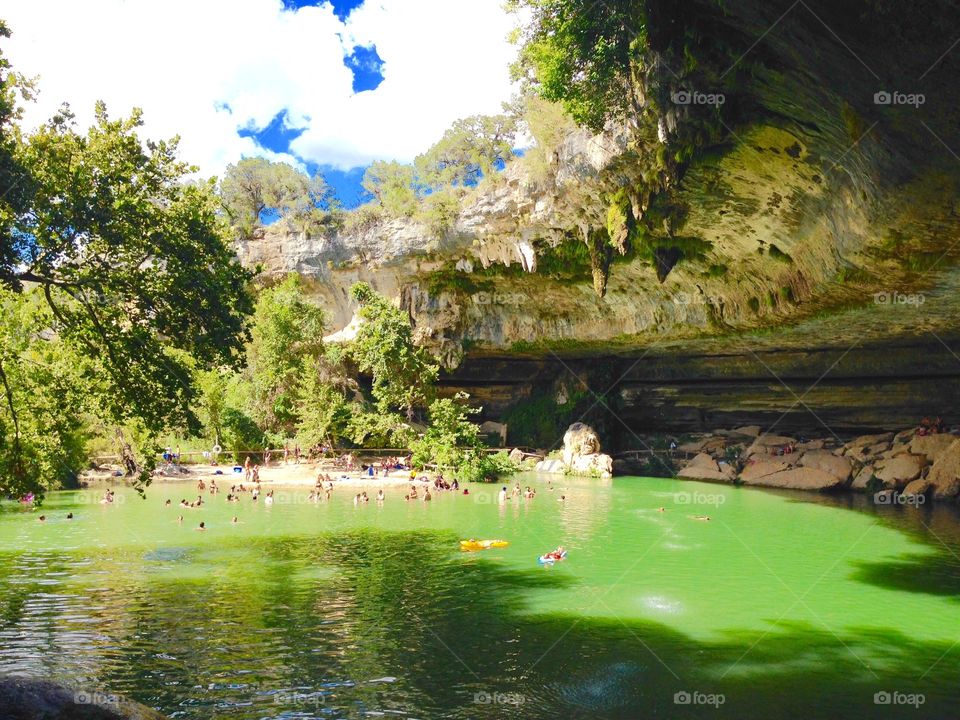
(333, 86)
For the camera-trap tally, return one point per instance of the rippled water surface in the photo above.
(779, 606)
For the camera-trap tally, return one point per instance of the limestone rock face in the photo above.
(759, 469)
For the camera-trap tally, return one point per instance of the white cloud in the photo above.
(182, 59)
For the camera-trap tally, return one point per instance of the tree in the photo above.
(256, 186)
(579, 53)
(287, 338)
(403, 373)
(43, 429)
(471, 148)
(392, 186)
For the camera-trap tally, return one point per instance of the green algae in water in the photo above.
(787, 605)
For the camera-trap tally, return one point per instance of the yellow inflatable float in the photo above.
(471, 545)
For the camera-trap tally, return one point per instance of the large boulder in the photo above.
(748, 430)
(931, 445)
(705, 461)
(917, 488)
(862, 478)
(700, 472)
(799, 478)
(757, 469)
(581, 451)
(840, 467)
(27, 699)
(944, 476)
(898, 471)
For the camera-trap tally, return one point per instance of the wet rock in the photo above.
(862, 478)
(840, 467)
(944, 476)
(917, 488)
(704, 461)
(931, 445)
(700, 472)
(800, 478)
(28, 699)
(748, 430)
(900, 470)
(516, 455)
(581, 452)
(760, 469)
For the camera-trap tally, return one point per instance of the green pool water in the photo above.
(781, 605)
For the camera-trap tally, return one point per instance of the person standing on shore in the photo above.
(246, 469)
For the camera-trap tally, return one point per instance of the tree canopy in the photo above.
(255, 186)
(129, 267)
(471, 148)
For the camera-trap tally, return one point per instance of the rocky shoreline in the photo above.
(912, 463)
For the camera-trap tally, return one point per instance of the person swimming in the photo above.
(69, 516)
(42, 518)
(427, 497)
(268, 500)
(700, 517)
(203, 526)
(235, 520)
(380, 495)
(661, 509)
(502, 496)
(180, 519)
(563, 498)
(167, 503)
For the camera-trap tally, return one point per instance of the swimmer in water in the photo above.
(234, 521)
(69, 516)
(42, 518)
(427, 497)
(380, 495)
(167, 503)
(502, 496)
(661, 509)
(700, 517)
(563, 498)
(180, 519)
(202, 526)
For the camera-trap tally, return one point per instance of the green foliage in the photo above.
(578, 53)
(135, 285)
(403, 374)
(471, 148)
(287, 339)
(439, 211)
(365, 218)
(452, 443)
(716, 271)
(393, 186)
(548, 124)
(43, 428)
(540, 421)
(778, 254)
(324, 410)
(255, 186)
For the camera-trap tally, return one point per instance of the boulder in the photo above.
(866, 440)
(904, 436)
(944, 476)
(897, 472)
(27, 699)
(931, 445)
(916, 488)
(691, 447)
(748, 430)
(840, 467)
(800, 478)
(705, 461)
(699, 472)
(761, 468)
(593, 464)
(516, 455)
(862, 478)
(581, 451)
(811, 445)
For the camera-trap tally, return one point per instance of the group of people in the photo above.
(930, 427)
